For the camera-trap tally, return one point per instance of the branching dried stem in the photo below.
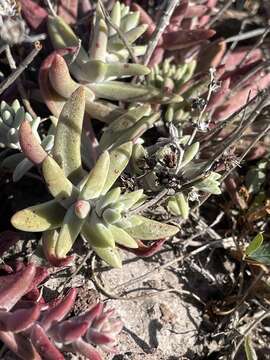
(163, 22)
(20, 69)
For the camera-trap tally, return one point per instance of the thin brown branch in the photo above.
(20, 69)
(163, 22)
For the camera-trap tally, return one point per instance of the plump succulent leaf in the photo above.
(119, 158)
(67, 145)
(150, 229)
(178, 205)
(109, 255)
(68, 234)
(41, 217)
(97, 177)
(121, 237)
(59, 186)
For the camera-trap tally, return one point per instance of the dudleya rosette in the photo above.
(87, 204)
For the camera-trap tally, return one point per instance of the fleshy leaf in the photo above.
(255, 244)
(30, 144)
(67, 144)
(109, 255)
(68, 234)
(151, 229)
(119, 158)
(59, 186)
(41, 217)
(121, 237)
(97, 178)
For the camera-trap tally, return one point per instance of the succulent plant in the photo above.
(87, 204)
(129, 126)
(121, 16)
(171, 163)
(169, 76)
(100, 70)
(36, 330)
(11, 117)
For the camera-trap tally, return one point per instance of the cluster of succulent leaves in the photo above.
(172, 164)
(88, 201)
(36, 330)
(106, 62)
(87, 204)
(11, 117)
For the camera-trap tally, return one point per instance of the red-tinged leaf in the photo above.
(86, 350)
(238, 55)
(20, 345)
(7, 239)
(43, 345)
(211, 56)
(145, 19)
(219, 96)
(98, 338)
(34, 14)
(30, 145)
(68, 331)
(178, 15)
(237, 74)
(156, 57)
(241, 97)
(102, 319)
(256, 153)
(14, 286)
(49, 240)
(196, 11)
(185, 38)
(68, 10)
(146, 251)
(211, 3)
(59, 311)
(89, 316)
(19, 320)
(53, 101)
(202, 21)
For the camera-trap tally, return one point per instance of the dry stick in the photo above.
(232, 117)
(21, 88)
(120, 33)
(169, 263)
(220, 13)
(237, 134)
(51, 8)
(256, 45)
(252, 326)
(20, 69)
(163, 22)
(110, 295)
(252, 72)
(144, 296)
(246, 35)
